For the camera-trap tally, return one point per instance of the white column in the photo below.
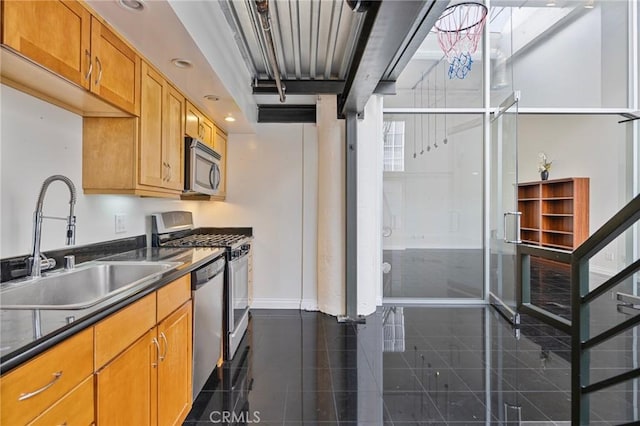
(331, 207)
(370, 162)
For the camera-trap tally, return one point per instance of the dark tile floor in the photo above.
(405, 365)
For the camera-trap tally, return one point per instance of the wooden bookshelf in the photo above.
(555, 213)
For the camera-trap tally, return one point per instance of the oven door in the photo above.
(238, 312)
(203, 169)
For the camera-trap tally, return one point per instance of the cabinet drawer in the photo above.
(172, 296)
(76, 408)
(116, 333)
(47, 378)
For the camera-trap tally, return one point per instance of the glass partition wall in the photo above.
(575, 65)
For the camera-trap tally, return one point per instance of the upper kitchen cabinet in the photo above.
(198, 125)
(60, 52)
(54, 34)
(161, 132)
(220, 146)
(140, 156)
(116, 69)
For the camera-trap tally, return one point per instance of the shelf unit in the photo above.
(555, 213)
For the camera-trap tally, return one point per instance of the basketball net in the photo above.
(459, 31)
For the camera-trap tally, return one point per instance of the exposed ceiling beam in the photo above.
(392, 32)
(316, 87)
(286, 113)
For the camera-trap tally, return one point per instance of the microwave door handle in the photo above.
(218, 176)
(212, 176)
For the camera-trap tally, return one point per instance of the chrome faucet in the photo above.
(38, 262)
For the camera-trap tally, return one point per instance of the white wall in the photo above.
(596, 147)
(271, 186)
(39, 140)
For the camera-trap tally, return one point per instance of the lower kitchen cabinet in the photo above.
(76, 408)
(48, 380)
(150, 382)
(174, 366)
(124, 391)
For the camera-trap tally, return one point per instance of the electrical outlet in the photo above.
(120, 224)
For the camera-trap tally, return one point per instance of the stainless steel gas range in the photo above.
(176, 229)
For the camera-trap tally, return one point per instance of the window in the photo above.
(393, 146)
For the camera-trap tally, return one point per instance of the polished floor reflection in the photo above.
(433, 273)
(406, 365)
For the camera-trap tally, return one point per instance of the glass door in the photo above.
(504, 215)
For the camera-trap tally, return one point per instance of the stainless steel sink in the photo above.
(82, 287)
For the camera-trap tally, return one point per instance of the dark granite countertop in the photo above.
(17, 341)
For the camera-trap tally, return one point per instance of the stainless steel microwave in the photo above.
(202, 168)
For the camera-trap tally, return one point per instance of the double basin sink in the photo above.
(82, 287)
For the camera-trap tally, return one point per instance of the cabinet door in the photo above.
(174, 369)
(54, 34)
(125, 388)
(116, 69)
(153, 169)
(207, 132)
(220, 146)
(192, 121)
(173, 138)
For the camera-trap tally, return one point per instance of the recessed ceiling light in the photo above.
(590, 4)
(551, 3)
(181, 63)
(213, 98)
(135, 5)
(229, 118)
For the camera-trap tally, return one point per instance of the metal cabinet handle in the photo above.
(166, 346)
(56, 377)
(518, 215)
(164, 171)
(155, 342)
(99, 70)
(88, 55)
(169, 174)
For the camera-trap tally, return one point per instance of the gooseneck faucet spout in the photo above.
(37, 262)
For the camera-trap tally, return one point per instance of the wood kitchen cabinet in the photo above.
(174, 366)
(115, 76)
(140, 156)
(220, 146)
(198, 125)
(65, 38)
(161, 130)
(149, 382)
(47, 381)
(124, 391)
(55, 34)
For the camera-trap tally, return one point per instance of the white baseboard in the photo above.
(309, 305)
(275, 304)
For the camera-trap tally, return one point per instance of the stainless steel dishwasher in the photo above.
(207, 284)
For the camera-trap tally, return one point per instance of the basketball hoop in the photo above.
(459, 32)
